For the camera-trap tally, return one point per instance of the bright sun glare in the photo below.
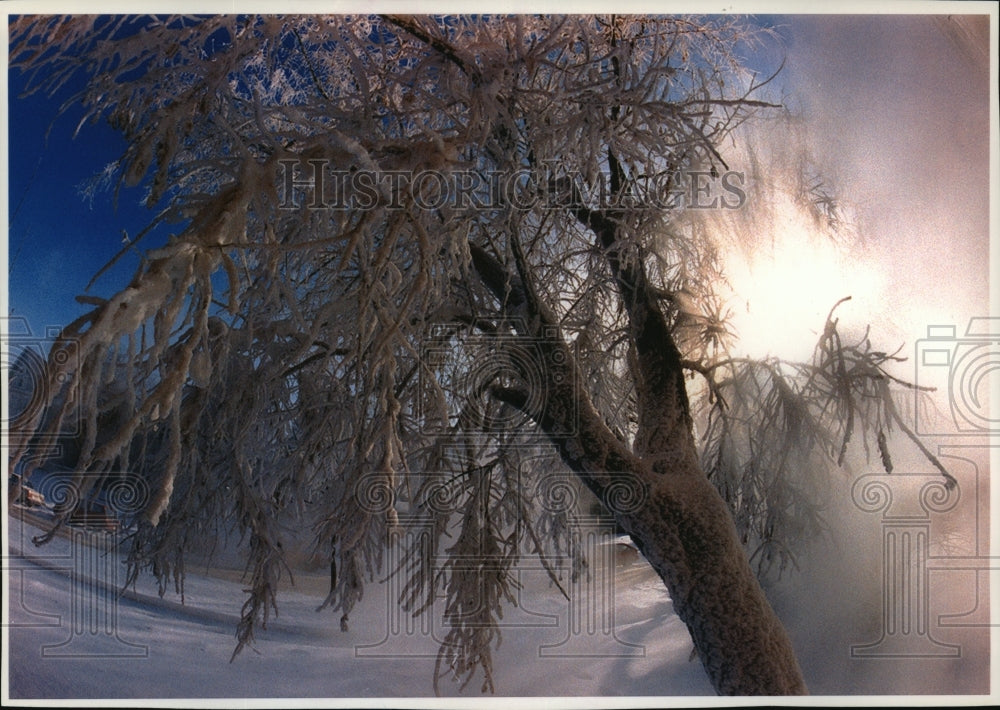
(784, 290)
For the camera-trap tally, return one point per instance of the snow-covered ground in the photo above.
(161, 649)
(68, 639)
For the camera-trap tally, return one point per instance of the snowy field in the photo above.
(69, 639)
(305, 654)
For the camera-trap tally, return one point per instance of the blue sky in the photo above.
(898, 108)
(899, 119)
(58, 237)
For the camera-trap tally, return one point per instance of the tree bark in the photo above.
(656, 490)
(688, 536)
(660, 495)
(683, 527)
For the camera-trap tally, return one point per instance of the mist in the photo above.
(895, 111)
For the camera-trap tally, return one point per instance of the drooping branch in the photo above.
(664, 414)
(568, 418)
(335, 365)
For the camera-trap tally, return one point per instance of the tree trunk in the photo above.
(688, 536)
(658, 493)
(682, 526)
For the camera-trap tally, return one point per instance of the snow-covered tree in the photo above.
(427, 257)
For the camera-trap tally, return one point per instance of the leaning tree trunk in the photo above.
(655, 489)
(681, 524)
(685, 531)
